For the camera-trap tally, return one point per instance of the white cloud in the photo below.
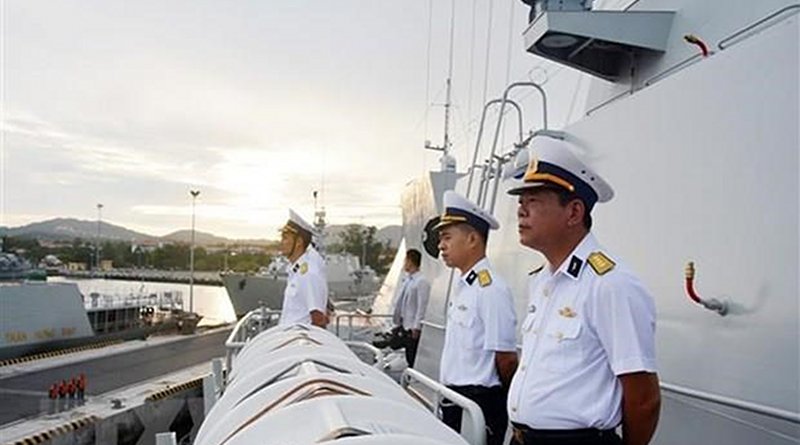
(257, 104)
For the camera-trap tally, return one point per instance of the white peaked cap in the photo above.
(555, 162)
(458, 209)
(296, 222)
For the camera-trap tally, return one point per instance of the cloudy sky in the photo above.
(255, 103)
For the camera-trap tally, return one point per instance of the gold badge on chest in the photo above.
(567, 312)
(303, 268)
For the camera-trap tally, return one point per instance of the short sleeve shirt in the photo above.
(480, 322)
(306, 290)
(588, 322)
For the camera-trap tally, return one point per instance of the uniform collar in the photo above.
(469, 278)
(413, 275)
(295, 267)
(574, 264)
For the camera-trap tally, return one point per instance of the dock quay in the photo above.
(156, 276)
(23, 387)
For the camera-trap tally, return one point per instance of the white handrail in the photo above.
(473, 424)
(380, 358)
(260, 319)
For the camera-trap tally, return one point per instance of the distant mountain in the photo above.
(67, 229)
(200, 238)
(71, 228)
(392, 234)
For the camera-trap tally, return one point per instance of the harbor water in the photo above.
(211, 302)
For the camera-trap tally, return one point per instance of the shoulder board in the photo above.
(484, 278)
(600, 263)
(303, 268)
(537, 270)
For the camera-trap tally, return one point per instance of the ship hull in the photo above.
(704, 162)
(248, 292)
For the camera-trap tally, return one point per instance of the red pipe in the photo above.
(694, 40)
(690, 284)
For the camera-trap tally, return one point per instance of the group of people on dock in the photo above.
(67, 393)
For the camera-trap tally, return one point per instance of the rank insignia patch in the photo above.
(574, 266)
(600, 263)
(484, 278)
(471, 277)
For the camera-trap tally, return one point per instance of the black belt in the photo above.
(532, 434)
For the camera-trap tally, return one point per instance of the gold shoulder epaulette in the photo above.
(600, 263)
(303, 268)
(537, 270)
(484, 278)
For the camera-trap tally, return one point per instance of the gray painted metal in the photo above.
(34, 314)
(109, 373)
(706, 167)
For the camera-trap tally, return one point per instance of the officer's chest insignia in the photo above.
(600, 263)
(574, 266)
(567, 312)
(471, 277)
(537, 270)
(303, 268)
(484, 278)
(295, 268)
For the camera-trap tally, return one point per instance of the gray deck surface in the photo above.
(25, 395)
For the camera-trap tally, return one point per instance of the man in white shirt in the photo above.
(479, 354)
(305, 298)
(412, 300)
(588, 340)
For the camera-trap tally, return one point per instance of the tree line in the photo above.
(357, 240)
(127, 255)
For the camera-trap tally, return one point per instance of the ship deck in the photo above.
(23, 389)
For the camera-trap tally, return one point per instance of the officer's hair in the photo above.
(565, 197)
(414, 256)
(484, 236)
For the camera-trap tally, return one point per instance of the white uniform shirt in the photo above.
(412, 301)
(306, 290)
(480, 322)
(584, 328)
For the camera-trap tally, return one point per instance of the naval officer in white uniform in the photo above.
(588, 360)
(305, 298)
(480, 354)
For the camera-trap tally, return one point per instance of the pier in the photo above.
(158, 276)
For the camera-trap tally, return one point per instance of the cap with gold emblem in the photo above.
(296, 224)
(458, 209)
(554, 162)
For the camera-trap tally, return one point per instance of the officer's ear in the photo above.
(474, 238)
(577, 210)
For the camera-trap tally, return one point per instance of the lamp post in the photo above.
(364, 234)
(194, 194)
(97, 241)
